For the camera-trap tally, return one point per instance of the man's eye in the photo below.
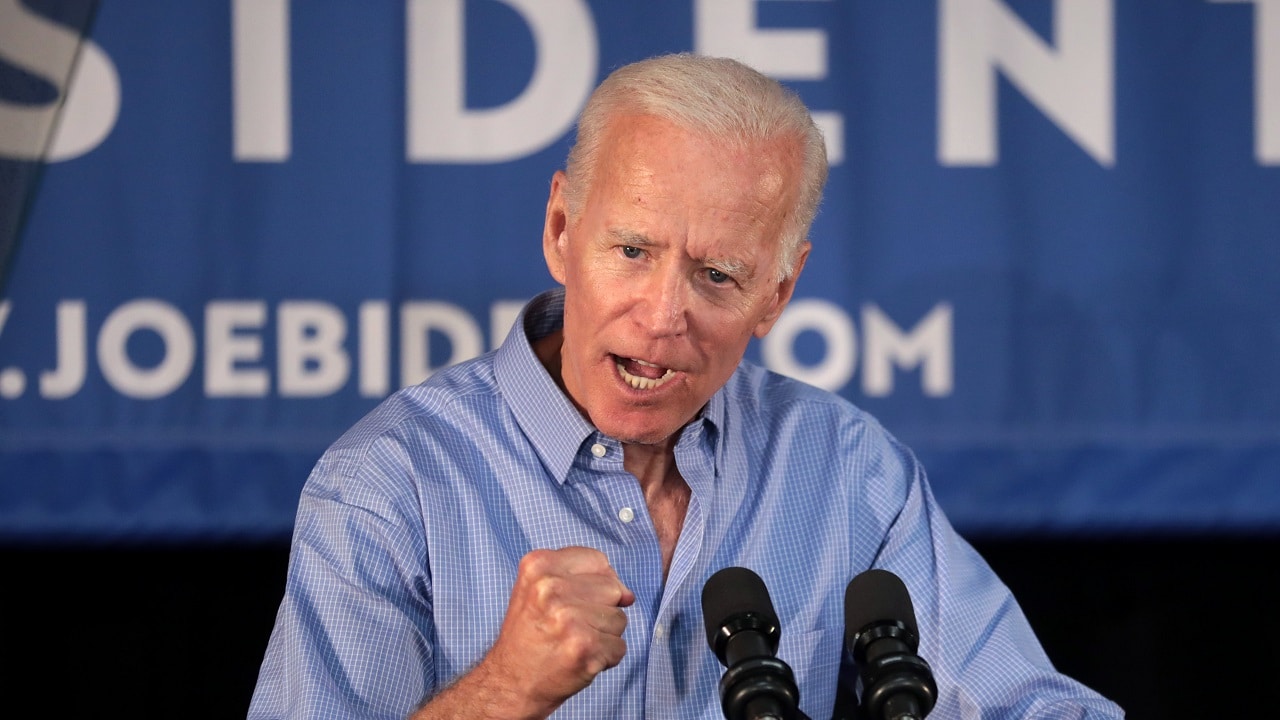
(631, 251)
(716, 276)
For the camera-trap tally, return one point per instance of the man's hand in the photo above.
(563, 627)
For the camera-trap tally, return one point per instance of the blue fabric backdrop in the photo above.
(1047, 258)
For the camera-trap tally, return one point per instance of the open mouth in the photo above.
(642, 375)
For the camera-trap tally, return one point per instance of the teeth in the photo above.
(644, 383)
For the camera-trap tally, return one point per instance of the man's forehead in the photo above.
(647, 156)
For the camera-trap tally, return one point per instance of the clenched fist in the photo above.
(563, 627)
(564, 623)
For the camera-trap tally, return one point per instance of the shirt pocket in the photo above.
(814, 659)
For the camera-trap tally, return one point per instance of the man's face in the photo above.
(669, 270)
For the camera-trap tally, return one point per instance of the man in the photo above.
(529, 532)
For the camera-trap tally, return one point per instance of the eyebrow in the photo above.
(728, 266)
(736, 268)
(631, 238)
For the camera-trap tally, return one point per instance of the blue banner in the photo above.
(1047, 258)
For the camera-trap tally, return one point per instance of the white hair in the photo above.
(720, 98)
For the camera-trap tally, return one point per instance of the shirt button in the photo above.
(658, 632)
(599, 450)
(626, 514)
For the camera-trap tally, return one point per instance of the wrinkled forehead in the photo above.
(646, 149)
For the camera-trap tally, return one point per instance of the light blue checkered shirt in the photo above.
(410, 528)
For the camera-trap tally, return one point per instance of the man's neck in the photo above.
(651, 464)
(666, 494)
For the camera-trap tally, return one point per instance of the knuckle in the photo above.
(546, 591)
(534, 563)
(578, 649)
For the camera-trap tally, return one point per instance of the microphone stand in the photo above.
(757, 685)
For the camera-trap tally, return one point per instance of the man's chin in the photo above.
(640, 431)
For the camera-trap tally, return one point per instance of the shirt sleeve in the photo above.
(353, 636)
(986, 659)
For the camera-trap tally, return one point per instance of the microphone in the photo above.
(880, 627)
(743, 632)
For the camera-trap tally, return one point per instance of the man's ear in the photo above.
(783, 293)
(555, 226)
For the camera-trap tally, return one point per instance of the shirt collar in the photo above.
(546, 416)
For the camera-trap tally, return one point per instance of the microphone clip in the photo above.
(756, 684)
(897, 683)
(759, 687)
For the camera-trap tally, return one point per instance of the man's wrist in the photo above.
(483, 693)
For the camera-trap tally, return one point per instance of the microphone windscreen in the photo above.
(733, 591)
(877, 596)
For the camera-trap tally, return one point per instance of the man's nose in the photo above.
(665, 309)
